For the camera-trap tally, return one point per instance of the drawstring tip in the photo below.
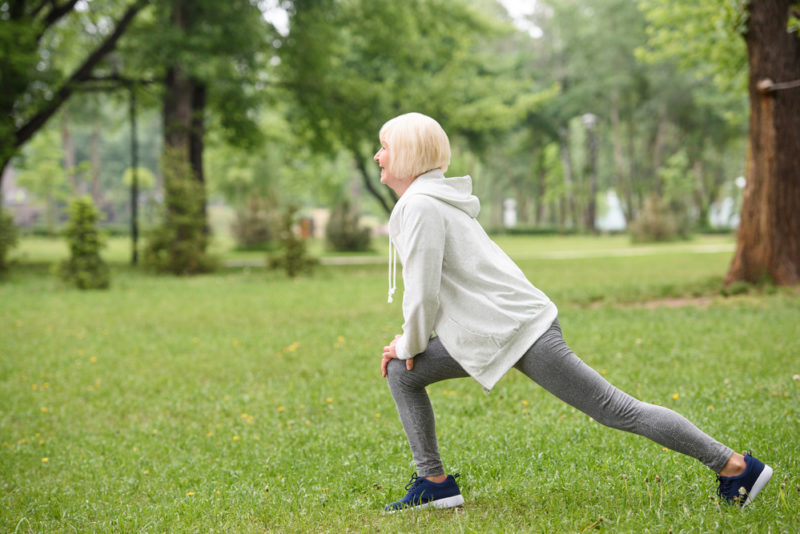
(390, 299)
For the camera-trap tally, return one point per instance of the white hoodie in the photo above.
(459, 284)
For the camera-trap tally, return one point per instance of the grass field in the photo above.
(247, 402)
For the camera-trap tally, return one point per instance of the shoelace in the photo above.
(414, 482)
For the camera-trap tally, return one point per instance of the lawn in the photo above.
(246, 402)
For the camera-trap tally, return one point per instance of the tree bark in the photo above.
(768, 240)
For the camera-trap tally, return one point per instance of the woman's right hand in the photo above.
(390, 352)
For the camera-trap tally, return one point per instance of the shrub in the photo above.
(252, 228)
(84, 268)
(178, 245)
(343, 231)
(658, 221)
(8, 239)
(292, 257)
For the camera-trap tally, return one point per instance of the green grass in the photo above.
(246, 402)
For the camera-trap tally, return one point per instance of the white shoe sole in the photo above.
(761, 481)
(447, 502)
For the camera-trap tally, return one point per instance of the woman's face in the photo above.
(387, 178)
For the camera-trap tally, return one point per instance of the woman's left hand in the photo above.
(390, 352)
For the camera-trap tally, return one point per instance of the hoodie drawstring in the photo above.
(392, 270)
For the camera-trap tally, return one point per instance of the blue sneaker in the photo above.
(742, 489)
(422, 493)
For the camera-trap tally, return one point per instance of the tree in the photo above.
(209, 56)
(352, 65)
(768, 240)
(34, 87)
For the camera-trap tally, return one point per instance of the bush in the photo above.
(84, 268)
(658, 221)
(252, 228)
(292, 256)
(178, 245)
(343, 231)
(9, 238)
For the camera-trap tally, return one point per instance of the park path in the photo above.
(545, 255)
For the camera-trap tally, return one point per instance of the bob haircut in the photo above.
(417, 144)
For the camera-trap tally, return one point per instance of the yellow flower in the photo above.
(44, 409)
(45, 460)
(377, 414)
(209, 434)
(525, 403)
(604, 372)
(190, 494)
(146, 472)
(329, 400)
(155, 431)
(244, 416)
(675, 396)
(293, 346)
(93, 359)
(710, 406)
(235, 342)
(235, 438)
(281, 409)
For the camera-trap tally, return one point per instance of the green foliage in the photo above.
(253, 227)
(145, 179)
(292, 256)
(9, 238)
(343, 231)
(705, 36)
(658, 221)
(178, 245)
(42, 174)
(84, 268)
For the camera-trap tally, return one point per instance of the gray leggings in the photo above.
(551, 364)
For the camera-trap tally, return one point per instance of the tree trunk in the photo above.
(768, 241)
(68, 143)
(622, 176)
(367, 179)
(568, 213)
(94, 158)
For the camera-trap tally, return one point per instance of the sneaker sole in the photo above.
(447, 502)
(761, 481)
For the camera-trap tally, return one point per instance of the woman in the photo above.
(489, 318)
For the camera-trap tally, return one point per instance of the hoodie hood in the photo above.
(456, 191)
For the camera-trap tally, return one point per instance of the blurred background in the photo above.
(571, 116)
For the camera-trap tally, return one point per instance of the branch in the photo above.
(26, 131)
(56, 12)
(368, 182)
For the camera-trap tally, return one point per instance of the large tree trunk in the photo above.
(768, 243)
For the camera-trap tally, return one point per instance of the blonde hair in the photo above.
(417, 144)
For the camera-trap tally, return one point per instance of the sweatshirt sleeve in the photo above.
(421, 244)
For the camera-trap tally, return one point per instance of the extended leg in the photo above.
(553, 365)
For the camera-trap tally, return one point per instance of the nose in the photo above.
(375, 157)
